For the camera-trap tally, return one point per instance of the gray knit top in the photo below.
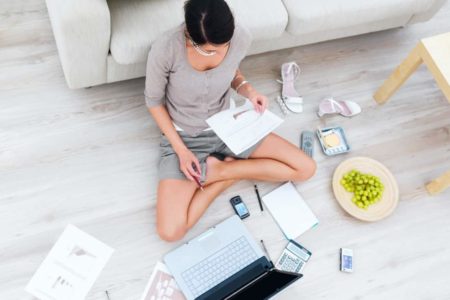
(191, 96)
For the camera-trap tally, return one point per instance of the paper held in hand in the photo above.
(242, 127)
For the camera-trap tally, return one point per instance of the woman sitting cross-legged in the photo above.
(191, 71)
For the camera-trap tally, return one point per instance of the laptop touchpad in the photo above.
(209, 241)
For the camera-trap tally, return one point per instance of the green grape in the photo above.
(367, 189)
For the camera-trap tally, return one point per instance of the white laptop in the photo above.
(226, 263)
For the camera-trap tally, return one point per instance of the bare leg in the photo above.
(174, 197)
(180, 205)
(202, 199)
(274, 160)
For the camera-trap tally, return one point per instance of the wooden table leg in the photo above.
(439, 184)
(399, 76)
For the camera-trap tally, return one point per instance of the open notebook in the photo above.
(242, 127)
(290, 211)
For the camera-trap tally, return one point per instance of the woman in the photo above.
(190, 73)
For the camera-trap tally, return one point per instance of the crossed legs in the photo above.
(180, 203)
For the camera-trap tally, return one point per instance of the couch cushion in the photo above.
(306, 16)
(135, 24)
(265, 19)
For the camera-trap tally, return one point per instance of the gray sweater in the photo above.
(191, 96)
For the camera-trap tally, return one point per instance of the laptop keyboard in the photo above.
(219, 266)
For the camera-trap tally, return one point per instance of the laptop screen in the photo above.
(268, 285)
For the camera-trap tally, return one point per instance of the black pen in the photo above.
(265, 250)
(259, 198)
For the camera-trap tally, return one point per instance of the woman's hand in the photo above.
(186, 157)
(245, 89)
(259, 101)
(187, 162)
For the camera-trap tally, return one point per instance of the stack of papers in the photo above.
(242, 127)
(290, 211)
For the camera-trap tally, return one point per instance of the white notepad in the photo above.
(290, 211)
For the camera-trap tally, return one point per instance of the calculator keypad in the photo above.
(290, 263)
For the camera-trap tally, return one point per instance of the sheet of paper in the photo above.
(242, 127)
(162, 285)
(290, 211)
(71, 268)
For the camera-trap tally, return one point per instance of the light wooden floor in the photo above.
(88, 157)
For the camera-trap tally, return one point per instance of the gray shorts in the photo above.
(202, 146)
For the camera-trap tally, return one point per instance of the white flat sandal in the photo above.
(344, 108)
(290, 99)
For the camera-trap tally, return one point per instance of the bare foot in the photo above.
(230, 181)
(214, 169)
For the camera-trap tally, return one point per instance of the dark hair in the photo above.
(209, 21)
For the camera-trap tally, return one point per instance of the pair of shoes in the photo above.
(344, 108)
(290, 100)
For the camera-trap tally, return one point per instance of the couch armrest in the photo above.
(82, 30)
(428, 13)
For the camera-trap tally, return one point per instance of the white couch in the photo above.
(102, 41)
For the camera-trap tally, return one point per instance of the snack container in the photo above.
(343, 146)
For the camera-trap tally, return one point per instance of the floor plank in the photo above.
(88, 157)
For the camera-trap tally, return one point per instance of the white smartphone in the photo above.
(346, 260)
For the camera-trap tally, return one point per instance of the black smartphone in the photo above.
(239, 207)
